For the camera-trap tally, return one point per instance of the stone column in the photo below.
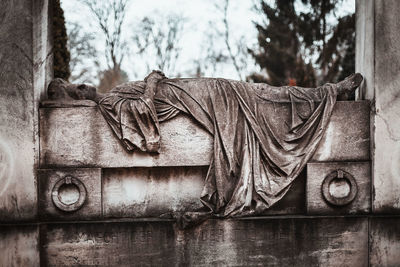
(378, 59)
(25, 61)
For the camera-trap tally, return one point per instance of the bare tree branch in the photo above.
(83, 64)
(158, 39)
(110, 16)
(236, 49)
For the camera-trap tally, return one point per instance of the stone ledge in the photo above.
(80, 137)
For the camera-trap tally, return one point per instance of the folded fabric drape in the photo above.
(253, 165)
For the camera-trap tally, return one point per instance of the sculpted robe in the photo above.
(252, 166)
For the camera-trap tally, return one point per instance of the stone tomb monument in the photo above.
(181, 138)
(197, 171)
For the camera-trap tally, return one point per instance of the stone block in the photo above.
(328, 195)
(63, 187)
(384, 247)
(149, 192)
(250, 242)
(79, 136)
(347, 137)
(19, 245)
(294, 202)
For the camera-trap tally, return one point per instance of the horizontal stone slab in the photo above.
(250, 242)
(79, 136)
(152, 192)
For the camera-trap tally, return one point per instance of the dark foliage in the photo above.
(290, 38)
(60, 39)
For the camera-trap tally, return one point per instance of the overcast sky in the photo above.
(198, 15)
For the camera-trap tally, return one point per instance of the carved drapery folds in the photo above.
(252, 166)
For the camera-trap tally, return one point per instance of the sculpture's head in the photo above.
(60, 89)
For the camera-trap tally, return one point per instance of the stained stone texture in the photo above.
(384, 241)
(19, 246)
(24, 57)
(294, 200)
(365, 36)
(151, 192)
(266, 242)
(79, 136)
(316, 173)
(91, 209)
(381, 46)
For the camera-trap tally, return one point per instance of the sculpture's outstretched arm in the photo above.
(344, 89)
(347, 86)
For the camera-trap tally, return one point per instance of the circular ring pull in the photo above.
(56, 196)
(334, 200)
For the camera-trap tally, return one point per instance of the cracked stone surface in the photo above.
(378, 58)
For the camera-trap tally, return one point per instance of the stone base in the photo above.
(272, 241)
(245, 242)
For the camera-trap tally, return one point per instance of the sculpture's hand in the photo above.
(155, 75)
(151, 83)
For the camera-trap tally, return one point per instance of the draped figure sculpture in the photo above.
(252, 166)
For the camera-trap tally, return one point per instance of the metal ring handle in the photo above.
(55, 196)
(339, 201)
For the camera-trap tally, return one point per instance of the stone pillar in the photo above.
(25, 61)
(378, 59)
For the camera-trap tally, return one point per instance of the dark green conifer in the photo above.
(60, 39)
(290, 38)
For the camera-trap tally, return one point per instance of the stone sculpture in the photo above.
(252, 167)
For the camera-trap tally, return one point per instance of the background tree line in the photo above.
(299, 42)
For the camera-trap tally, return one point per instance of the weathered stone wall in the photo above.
(24, 56)
(378, 58)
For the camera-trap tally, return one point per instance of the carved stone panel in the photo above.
(266, 242)
(70, 194)
(338, 188)
(151, 192)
